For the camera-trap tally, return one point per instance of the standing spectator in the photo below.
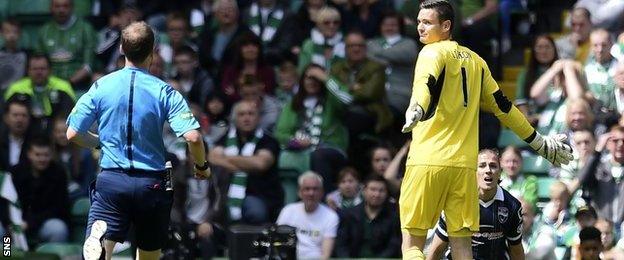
(362, 15)
(41, 186)
(249, 157)
(325, 45)
(15, 135)
(70, 42)
(316, 223)
(397, 54)
(348, 194)
(575, 45)
(12, 57)
(372, 228)
(273, 24)
(600, 69)
(514, 180)
(216, 44)
(50, 96)
(247, 60)
(195, 82)
(367, 111)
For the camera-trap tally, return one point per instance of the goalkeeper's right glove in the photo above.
(413, 114)
(552, 148)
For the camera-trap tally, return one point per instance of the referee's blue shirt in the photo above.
(131, 107)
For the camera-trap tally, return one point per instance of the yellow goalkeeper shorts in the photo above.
(427, 190)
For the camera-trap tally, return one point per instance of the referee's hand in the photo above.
(202, 175)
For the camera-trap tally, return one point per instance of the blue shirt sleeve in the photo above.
(514, 231)
(179, 115)
(84, 113)
(441, 229)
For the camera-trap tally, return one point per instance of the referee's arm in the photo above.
(81, 119)
(88, 139)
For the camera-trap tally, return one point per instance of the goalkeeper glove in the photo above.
(413, 114)
(552, 148)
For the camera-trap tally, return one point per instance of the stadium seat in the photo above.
(543, 187)
(508, 137)
(79, 213)
(297, 161)
(510, 73)
(81, 207)
(535, 164)
(30, 7)
(63, 250)
(508, 88)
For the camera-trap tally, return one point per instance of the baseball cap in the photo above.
(586, 210)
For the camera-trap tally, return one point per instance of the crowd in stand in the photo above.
(322, 83)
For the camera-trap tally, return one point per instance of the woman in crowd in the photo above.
(325, 43)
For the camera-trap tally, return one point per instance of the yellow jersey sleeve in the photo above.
(428, 68)
(494, 101)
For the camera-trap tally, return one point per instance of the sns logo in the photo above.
(6, 246)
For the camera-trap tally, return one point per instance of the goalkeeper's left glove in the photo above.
(552, 148)
(413, 114)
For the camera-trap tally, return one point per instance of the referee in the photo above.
(131, 107)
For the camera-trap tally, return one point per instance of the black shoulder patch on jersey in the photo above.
(501, 100)
(435, 89)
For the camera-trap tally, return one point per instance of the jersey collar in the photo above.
(499, 196)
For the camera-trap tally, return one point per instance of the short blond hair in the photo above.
(326, 13)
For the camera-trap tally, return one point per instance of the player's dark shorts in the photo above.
(121, 198)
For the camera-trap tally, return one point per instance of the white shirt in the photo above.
(312, 228)
(15, 149)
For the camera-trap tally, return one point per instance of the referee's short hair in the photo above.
(137, 41)
(443, 8)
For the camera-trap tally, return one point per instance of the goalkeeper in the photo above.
(451, 84)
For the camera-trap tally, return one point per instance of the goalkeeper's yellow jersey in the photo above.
(451, 84)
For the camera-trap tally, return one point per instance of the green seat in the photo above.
(543, 187)
(294, 161)
(61, 249)
(291, 188)
(509, 138)
(30, 7)
(535, 165)
(79, 214)
(81, 207)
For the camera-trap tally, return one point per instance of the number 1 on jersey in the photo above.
(464, 87)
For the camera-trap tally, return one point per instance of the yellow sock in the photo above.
(413, 253)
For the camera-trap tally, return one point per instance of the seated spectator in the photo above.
(563, 80)
(50, 96)
(12, 57)
(348, 193)
(78, 162)
(557, 213)
(367, 111)
(607, 237)
(177, 37)
(398, 54)
(217, 110)
(590, 244)
(16, 133)
(380, 157)
(543, 55)
(600, 69)
(195, 83)
(11, 214)
(70, 42)
(251, 89)
(579, 116)
(575, 45)
(305, 18)
(362, 15)
(247, 60)
(109, 38)
(619, 90)
(325, 45)
(216, 43)
(41, 186)
(539, 240)
(312, 122)
(371, 229)
(394, 172)
(604, 13)
(584, 144)
(249, 157)
(287, 82)
(274, 25)
(585, 217)
(602, 177)
(514, 180)
(316, 223)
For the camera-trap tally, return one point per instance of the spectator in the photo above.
(316, 223)
(16, 134)
(584, 143)
(506, 7)
(195, 83)
(398, 55)
(579, 116)
(538, 240)
(514, 180)
(380, 157)
(109, 38)
(365, 79)
(600, 69)
(41, 186)
(287, 82)
(585, 217)
(78, 162)
(543, 55)
(249, 156)
(177, 37)
(348, 193)
(602, 177)
(312, 122)
(12, 57)
(604, 13)
(70, 42)
(575, 45)
(325, 45)
(591, 246)
(157, 68)
(478, 26)
(557, 213)
(305, 20)
(393, 173)
(362, 15)
(607, 237)
(372, 228)
(218, 111)
(215, 43)
(251, 90)
(50, 96)
(273, 24)
(619, 90)
(248, 60)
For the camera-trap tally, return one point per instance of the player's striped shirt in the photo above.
(451, 84)
(500, 226)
